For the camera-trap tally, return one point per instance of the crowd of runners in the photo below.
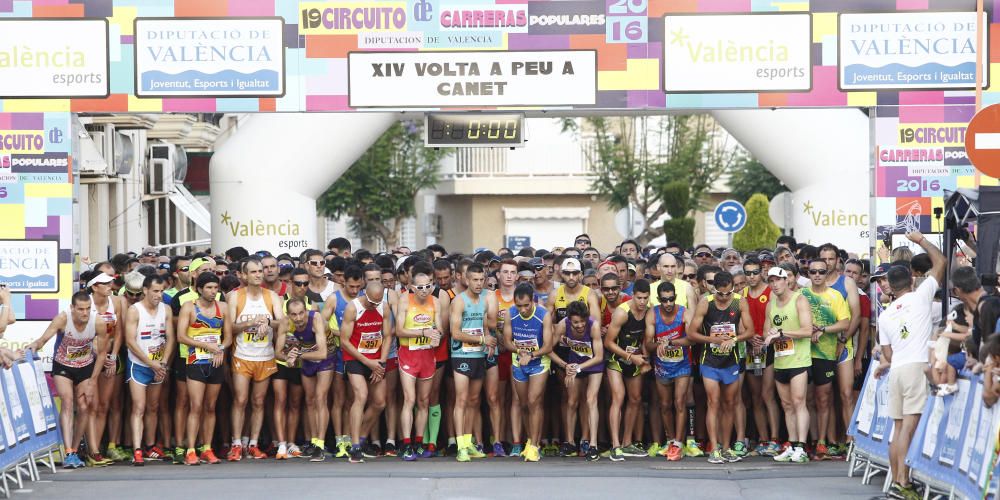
(628, 352)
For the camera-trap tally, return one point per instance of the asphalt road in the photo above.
(504, 478)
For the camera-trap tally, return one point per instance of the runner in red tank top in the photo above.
(762, 389)
(365, 335)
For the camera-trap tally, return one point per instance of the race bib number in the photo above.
(581, 348)
(530, 345)
(672, 354)
(155, 352)
(420, 343)
(727, 329)
(77, 353)
(370, 343)
(472, 346)
(201, 354)
(784, 347)
(632, 349)
(255, 337)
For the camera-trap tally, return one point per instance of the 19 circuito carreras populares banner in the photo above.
(445, 79)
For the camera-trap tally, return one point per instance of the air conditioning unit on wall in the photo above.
(167, 165)
(107, 151)
(432, 225)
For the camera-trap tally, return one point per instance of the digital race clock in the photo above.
(474, 130)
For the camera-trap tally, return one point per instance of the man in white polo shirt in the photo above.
(904, 330)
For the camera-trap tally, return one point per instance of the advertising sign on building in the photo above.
(737, 53)
(446, 79)
(209, 57)
(910, 50)
(54, 58)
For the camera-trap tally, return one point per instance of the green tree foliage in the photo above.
(635, 160)
(751, 176)
(378, 190)
(759, 231)
(677, 200)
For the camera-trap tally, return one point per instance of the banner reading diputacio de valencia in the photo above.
(447, 79)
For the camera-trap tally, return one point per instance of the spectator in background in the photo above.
(149, 255)
(229, 283)
(904, 331)
(340, 246)
(921, 263)
(901, 253)
(785, 241)
(967, 286)
(236, 254)
(990, 354)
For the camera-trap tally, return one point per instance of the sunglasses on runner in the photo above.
(131, 294)
(583, 241)
(703, 254)
(421, 288)
(818, 272)
(317, 263)
(610, 288)
(300, 283)
(665, 299)
(751, 273)
(723, 294)
(689, 276)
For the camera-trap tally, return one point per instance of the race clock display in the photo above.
(474, 130)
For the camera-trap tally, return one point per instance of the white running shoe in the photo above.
(786, 455)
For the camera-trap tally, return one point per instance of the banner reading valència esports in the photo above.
(956, 440)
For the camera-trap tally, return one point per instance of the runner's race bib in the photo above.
(672, 354)
(155, 352)
(201, 354)
(580, 347)
(77, 353)
(420, 343)
(370, 343)
(472, 346)
(727, 329)
(784, 347)
(530, 345)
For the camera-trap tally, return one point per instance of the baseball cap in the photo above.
(880, 271)
(777, 272)
(536, 262)
(766, 256)
(571, 265)
(99, 279)
(196, 263)
(150, 251)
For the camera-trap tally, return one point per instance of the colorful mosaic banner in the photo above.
(36, 210)
(920, 152)
(631, 39)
